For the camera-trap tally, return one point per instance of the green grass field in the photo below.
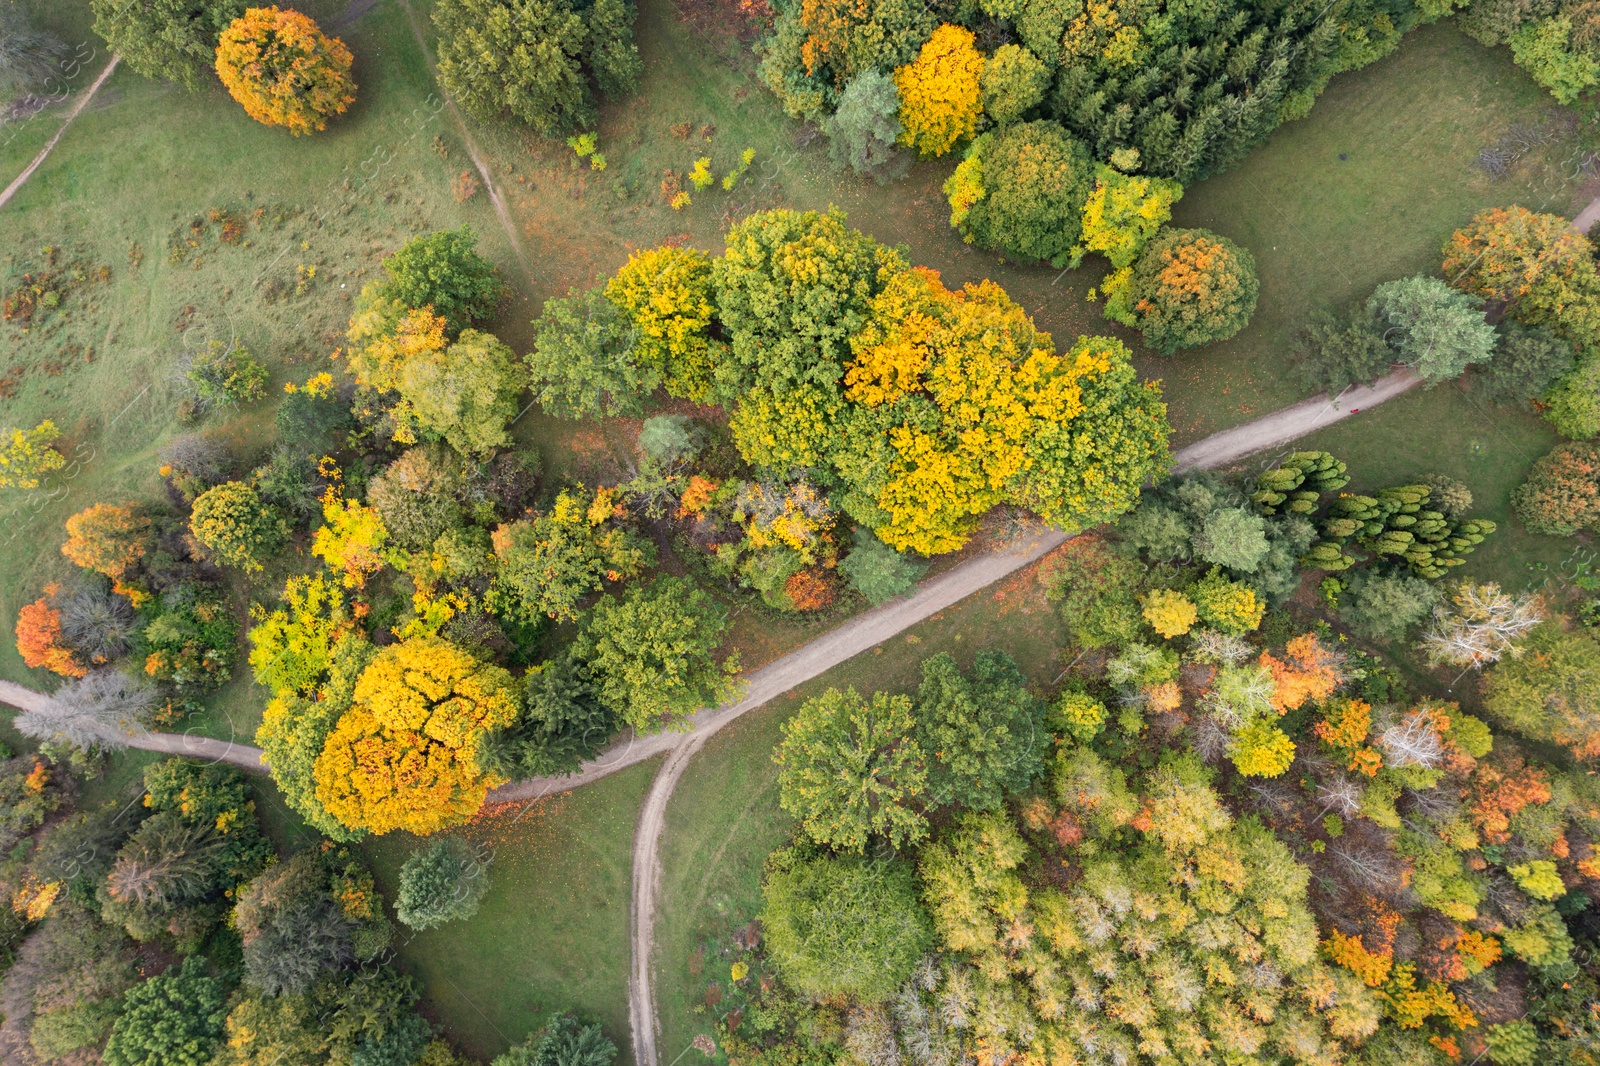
(139, 169)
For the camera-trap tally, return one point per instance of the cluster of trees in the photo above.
(168, 933)
(1558, 44)
(1193, 90)
(280, 67)
(1222, 839)
(915, 407)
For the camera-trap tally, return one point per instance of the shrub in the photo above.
(669, 439)
(190, 638)
(541, 61)
(443, 882)
(940, 94)
(236, 527)
(1123, 212)
(417, 496)
(171, 39)
(1234, 537)
(1546, 51)
(225, 375)
(1572, 404)
(865, 128)
(28, 57)
(1513, 1043)
(1190, 287)
(809, 590)
(284, 71)
(27, 455)
(843, 926)
(1094, 589)
(1261, 749)
(1031, 183)
(1562, 493)
(877, 571)
(313, 421)
(172, 1019)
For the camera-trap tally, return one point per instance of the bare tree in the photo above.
(1480, 625)
(1413, 741)
(102, 709)
(27, 56)
(1340, 795)
(96, 624)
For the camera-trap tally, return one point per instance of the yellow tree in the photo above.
(285, 71)
(406, 754)
(941, 96)
(668, 294)
(26, 455)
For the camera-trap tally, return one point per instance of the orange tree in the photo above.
(39, 638)
(285, 71)
(406, 753)
(1190, 287)
(107, 538)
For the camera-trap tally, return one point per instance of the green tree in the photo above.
(444, 271)
(1013, 81)
(1335, 353)
(1034, 179)
(563, 721)
(1545, 49)
(843, 926)
(564, 1041)
(1434, 329)
(851, 769)
(1234, 537)
(236, 526)
(583, 362)
(1383, 606)
(1551, 690)
(877, 571)
(467, 394)
(651, 653)
(864, 130)
(265, 1030)
(1095, 587)
(1527, 361)
(555, 558)
(172, 1019)
(538, 59)
(171, 39)
(293, 932)
(981, 736)
(443, 882)
(1189, 287)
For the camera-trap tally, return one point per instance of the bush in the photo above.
(284, 71)
(1094, 588)
(865, 129)
(1190, 287)
(96, 624)
(444, 271)
(1077, 715)
(236, 527)
(1382, 606)
(444, 882)
(28, 455)
(541, 60)
(192, 463)
(843, 926)
(1562, 493)
(1022, 191)
(171, 39)
(172, 1019)
(39, 638)
(313, 422)
(877, 571)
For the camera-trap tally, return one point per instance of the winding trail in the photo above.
(44, 153)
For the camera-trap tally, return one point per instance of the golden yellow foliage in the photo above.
(1169, 612)
(940, 94)
(668, 293)
(285, 71)
(351, 540)
(390, 344)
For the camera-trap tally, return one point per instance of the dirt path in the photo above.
(1585, 219)
(209, 748)
(44, 153)
(502, 212)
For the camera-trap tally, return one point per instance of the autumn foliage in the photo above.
(285, 71)
(1191, 287)
(1308, 671)
(107, 538)
(810, 590)
(405, 756)
(1562, 493)
(39, 637)
(940, 95)
(1508, 253)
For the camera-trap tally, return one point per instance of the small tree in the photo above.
(172, 1019)
(39, 638)
(108, 538)
(564, 1041)
(670, 439)
(102, 709)
(27, 456)
(443, 271)
(1123, 212)
(285, 71)
(940, 94)
(583, 362)
(1022, 190)
(444, 882)
(864, 129)
(1234, 537)
(555, 558)
(1550, 691)
(1169, 612)
(851, 769)
(1431, 327)
(843, 926)
(236, 527)
(671, 298)
(981, 736)
(651, 653)
(877, 571)
(1189, 287)
(1230, 607)
(1562, 493)
(1527, 362)
(171, 39)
